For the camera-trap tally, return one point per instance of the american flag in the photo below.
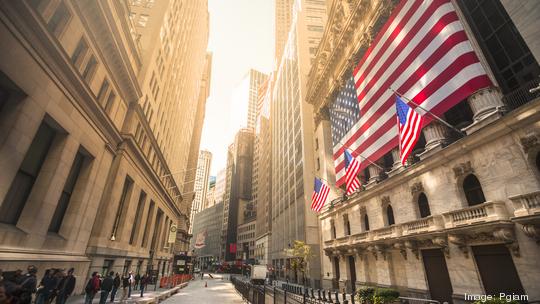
(409, 128)
(320, 193)
(351, 173)
(423, 53)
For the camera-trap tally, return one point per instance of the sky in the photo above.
(241, 37)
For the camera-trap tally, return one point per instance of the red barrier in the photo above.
(174, 280)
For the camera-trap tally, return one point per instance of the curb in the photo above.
(160, 297)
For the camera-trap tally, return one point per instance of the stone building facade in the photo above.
(464, 213)
(83, 165)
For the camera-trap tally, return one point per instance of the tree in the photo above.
(300, 255)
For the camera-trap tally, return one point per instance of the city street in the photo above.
(218, 290)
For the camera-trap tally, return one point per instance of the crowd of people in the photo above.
(57, 285)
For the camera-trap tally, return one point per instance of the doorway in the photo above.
(440, 287)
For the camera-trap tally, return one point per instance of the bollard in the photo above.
(330, 296)
(353, 295)
(324, 296)
(319, 294)
(312, 295)
(337, 297)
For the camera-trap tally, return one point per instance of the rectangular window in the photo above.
(59, 19)
(509, 57)
(103, 92)
(138, 215)
(80, 53)
(110, 102)
(20, 188)
(90, 68)
(147, 224)
(126, 190)
(65, 197)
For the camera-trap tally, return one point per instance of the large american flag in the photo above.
(421, 52)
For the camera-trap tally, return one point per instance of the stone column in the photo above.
(396, 166)
(436, 135)
(487, 106)
(374, 173)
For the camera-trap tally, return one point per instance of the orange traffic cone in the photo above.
(205, 284)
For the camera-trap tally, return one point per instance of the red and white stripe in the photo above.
(423, 53)
(409, 134)
(319, 198)
(351, 176)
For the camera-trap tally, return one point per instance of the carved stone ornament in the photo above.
(463, 169)
(402, 249)
(412, 245)
(530, 141)
(461, 242)
(373, 250)
(381, 249)
(507, 236)
(443, 243)
(532, 231)
(385, 200)
(417, 188)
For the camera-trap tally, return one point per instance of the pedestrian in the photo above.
(92, 287)
(66, 287)
(46, 287)
(106, 287)
(142, 284)
(131, 281)
(27, 286)
(116, 285)
(125, 284)
(137, 280)
(57, 275)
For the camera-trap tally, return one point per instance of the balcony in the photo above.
(390, 232)
(526, 204)
(423, 225)
(482, 213)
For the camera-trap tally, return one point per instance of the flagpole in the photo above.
(429, 112)
(364, 158)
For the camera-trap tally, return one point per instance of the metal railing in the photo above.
(522, 95)
(294, 294)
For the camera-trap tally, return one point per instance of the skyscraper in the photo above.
(283, 15)
(292, 143)
(237, 207)
(201, 184)
(245, 99)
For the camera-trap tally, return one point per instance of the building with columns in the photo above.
(88, 143)
(464, 211)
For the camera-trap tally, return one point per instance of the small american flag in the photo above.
(409, 127)
(320, 193)
(352, 166)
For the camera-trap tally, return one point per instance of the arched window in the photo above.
(390, 215)
(473, 190)
(346, 225)
(423, 205)
(366, 222)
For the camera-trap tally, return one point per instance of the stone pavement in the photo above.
(220, 290)
(150, 296)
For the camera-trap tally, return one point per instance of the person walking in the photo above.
(92, 287)
(66, 287)
(116, 285)
(137, 280)
(106, 287)
(27, 286)
(131, 281)
(142, 284)
(125, 284)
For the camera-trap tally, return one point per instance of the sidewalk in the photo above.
(208, 291)
(150, 296)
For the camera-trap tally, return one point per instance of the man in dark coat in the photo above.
(106, 287)
(66, 287)
(92, 287)
(27, 285)
(116, 285)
